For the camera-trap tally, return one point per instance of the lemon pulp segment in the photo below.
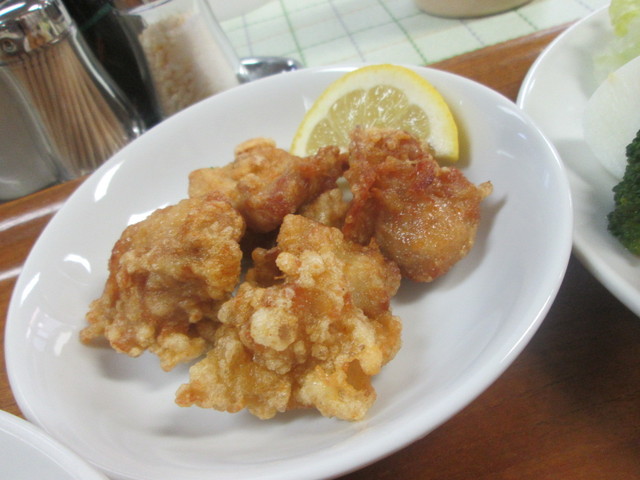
(386, 96)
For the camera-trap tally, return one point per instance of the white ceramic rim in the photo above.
(562, 67)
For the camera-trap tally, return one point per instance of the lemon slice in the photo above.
(386, 96)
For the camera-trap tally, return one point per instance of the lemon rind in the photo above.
(410, 82)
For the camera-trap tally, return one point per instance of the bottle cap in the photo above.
(26, 25)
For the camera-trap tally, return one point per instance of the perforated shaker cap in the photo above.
(26, 25)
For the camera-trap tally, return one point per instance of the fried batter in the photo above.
(313, 338)
(329, 208)
(168, 276)
(265, 183)
(423, 216)
(311, 324)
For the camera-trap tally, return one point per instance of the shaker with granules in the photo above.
(187, 52)
(84, 115)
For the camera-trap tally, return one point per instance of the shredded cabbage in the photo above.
(622, 13)
(625, 21)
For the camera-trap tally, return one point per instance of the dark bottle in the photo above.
(118, 52)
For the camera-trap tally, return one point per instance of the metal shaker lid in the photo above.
(26, 25)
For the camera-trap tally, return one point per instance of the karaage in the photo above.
(423, 216)
(265, 183)
(329, 208)
(311, 323)
(168, 276)
(313, 338)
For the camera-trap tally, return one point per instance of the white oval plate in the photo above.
(555, 93)
(460, 332)
(27, 453)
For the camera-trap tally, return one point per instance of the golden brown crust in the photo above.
(265, 183)
(168, 274)
(423, 216)
(311, 323)
(313, 339)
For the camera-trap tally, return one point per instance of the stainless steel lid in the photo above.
(26, 25)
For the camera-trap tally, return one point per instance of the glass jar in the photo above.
(27, 160)
(187, 52)
(85, 117)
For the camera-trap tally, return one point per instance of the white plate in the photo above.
(224, 9)
(460, 333)
(27, 453)
(555, 93)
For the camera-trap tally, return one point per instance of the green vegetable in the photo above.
(622, 13)
(624, 16)
(624, 220)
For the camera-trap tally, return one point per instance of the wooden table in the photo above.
(569, 406)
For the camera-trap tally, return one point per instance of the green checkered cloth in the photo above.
(324, 32)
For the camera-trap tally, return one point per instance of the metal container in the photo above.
(84, 116)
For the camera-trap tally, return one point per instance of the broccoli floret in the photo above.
(624, 220)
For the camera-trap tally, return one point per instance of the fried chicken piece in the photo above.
(313, 338)
(374, 280)
(265, 183)
(329, 208)
(423, 216)
(265, 271)
(168, 276)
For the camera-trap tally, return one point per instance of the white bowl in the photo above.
(27, 453)
(467, 8)
(224, 9)
(460, 332)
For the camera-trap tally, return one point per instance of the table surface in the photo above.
(326, 32)
(567, 408)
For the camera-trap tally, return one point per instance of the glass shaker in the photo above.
(187, 52)
(84, 115)
(27, 160)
